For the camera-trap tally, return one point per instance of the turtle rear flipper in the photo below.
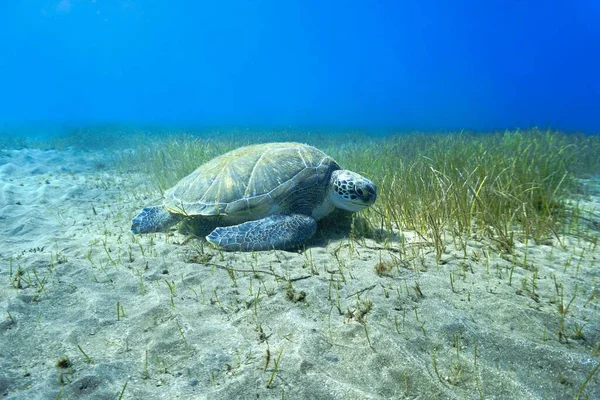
(273, 232)
(153, 219)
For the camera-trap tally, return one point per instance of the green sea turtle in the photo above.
(265, 196)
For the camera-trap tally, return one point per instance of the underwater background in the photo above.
(471, 272)
(375, 66)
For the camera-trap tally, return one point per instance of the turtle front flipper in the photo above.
(153, 219)
(273, 232)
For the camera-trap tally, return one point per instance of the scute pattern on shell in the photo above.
(251, 179)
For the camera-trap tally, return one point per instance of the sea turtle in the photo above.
(265, 196)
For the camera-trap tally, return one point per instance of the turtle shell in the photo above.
(255, 181)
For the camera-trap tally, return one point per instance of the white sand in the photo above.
(189, 329)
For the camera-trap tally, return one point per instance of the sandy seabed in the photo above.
(89, 310)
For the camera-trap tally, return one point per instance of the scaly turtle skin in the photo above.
(267, 196)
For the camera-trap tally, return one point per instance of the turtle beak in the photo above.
(367, 192)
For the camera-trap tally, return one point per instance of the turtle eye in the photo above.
(360, 192)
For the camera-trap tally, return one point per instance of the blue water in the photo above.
(372, 65)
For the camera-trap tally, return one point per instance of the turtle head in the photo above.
(351, 191)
